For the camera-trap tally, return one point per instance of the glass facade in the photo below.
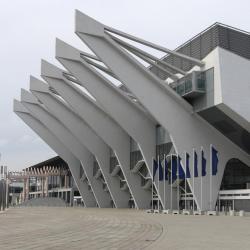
(81, 171)
(133, 145)
(162, 150)
(135, 156)
(163, 142)
(201, 81)
(196, 81)
(184, 85)
(54, 181)
(95, 167)
(112, 153)
(161, 135)
(236, 175)
(113, 163)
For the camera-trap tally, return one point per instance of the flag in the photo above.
(203, 164)
(155, 167)
(215, 160)
(188, 175)
(160, 171)
(174, 169)
(195, 164)
(166, 168)
(180, 169)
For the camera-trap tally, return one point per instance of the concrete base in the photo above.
(223, 213)
(198, 213)
(186, 212)
(231, 213)
(242, 213)
(212, 212)
(167, 211)
(176, 212)
(156, 211)
(150, 211)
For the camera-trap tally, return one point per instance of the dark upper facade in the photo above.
(229, 38)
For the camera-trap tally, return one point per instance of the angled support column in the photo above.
(105, 127)
(185, 127)
(107, 95)
(84, 134)
(49, 138)
(71, 142)
(114, 101)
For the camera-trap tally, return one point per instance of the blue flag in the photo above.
(166, 169)
(160, 171)
(180, 169)
(215, 160)
(188, 175)
(155, 167)
(195, 164)
(203, 164)
(174, 169)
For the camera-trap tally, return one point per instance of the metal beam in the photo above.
(145, 54)
(98, 29)
(151, 62)
(97, 65)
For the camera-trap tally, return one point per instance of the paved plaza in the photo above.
(80, 228)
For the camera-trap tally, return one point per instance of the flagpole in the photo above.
(210, 177)
(201, 181)
(152, 175)
(171, 191)
(178, 187)
(193, 176)
(164, 182)
(158, 184)
(186, 181)
(219, 203)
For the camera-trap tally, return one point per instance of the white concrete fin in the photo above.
(26, 96)
(54, 85)
(64, 50)
(50, 70)
(38, 85)
(18, 107)
(87, 25)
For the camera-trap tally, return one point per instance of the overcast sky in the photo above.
(29, 28)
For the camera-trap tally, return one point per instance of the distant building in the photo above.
(50, 178)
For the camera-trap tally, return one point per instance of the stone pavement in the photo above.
(76, 228)
(80, 228)
(188, 232)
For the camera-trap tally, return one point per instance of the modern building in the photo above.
(141, 131)
(50, 178)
